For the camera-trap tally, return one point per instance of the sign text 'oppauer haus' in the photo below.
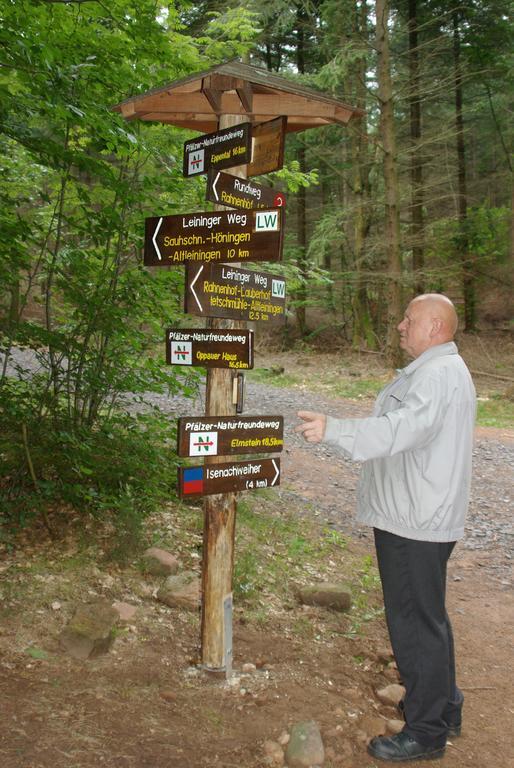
(220, 290)
(228, 435)
(222, 348)
(220, 236)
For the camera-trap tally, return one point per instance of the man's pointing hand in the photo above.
(313, 428)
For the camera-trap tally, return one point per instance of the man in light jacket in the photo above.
(414, 491)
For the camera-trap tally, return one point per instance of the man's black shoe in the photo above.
(454, 729)
(401, 748)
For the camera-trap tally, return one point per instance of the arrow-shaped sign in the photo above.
(192, 288)
(277, 472)
(154, 241)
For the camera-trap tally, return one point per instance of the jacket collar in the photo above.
(450, 348)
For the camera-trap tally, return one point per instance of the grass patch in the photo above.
(495, 411)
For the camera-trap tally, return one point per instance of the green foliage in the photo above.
(76, 182)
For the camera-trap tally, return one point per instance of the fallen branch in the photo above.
(492, 375)
(479, 688)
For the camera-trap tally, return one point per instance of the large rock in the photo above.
(181, 591)
(337, 596)
(305, 748)
(158, 562)
(90, 631)
(391, 694)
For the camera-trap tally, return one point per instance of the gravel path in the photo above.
(325, 479)
(323, 482)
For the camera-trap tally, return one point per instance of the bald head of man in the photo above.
(430, 319)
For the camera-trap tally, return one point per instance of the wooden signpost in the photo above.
(222, 149)
(228, 477)
(219, 290)
(210, 348)
(219, 236)
(234, 192)
(218, 436)
(246, 105)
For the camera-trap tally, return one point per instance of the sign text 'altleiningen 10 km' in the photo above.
(220, 236)
(227, 435)
(219, 290)
(228, 477)
(228, 348)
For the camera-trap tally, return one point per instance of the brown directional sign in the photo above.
(219, 236)
(227, 435)
(267, 147)
(229, 190)
(210, 348)
(220, 290)
(228, 477)
(223, 149)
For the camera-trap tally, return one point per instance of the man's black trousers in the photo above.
(413, 575)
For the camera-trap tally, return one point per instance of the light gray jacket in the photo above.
(416, 449)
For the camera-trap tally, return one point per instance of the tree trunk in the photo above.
(392, 216)
(301, 293)
(362, 324)
(468, 278)
(416, 163)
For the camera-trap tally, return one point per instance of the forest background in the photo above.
(416, 196)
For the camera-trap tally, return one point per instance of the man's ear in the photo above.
(437, 325)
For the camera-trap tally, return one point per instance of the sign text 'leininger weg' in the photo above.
(228, 477)
(220, 236)
(228, 435)
(210, 348)
(219, 290)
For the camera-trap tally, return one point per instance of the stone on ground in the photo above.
(90, 631)
(395, 726)
(328, 595)
(126, 611)
(181, 591)
(274, 754)
(305, 747)
(158, 562)
(391, 694)
(373, 726)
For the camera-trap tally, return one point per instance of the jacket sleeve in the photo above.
(412, 425)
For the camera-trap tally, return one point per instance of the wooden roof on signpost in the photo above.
(233, 88)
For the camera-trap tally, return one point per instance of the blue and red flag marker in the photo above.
(192, 480)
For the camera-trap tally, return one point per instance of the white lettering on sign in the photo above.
(278, 288)
(266, 221)
(237, 218)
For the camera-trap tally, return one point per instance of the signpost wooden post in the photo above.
(224, 101)
(219, 515)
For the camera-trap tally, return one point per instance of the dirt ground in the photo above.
(147, 705)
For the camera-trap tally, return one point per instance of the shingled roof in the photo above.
(233, 88)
